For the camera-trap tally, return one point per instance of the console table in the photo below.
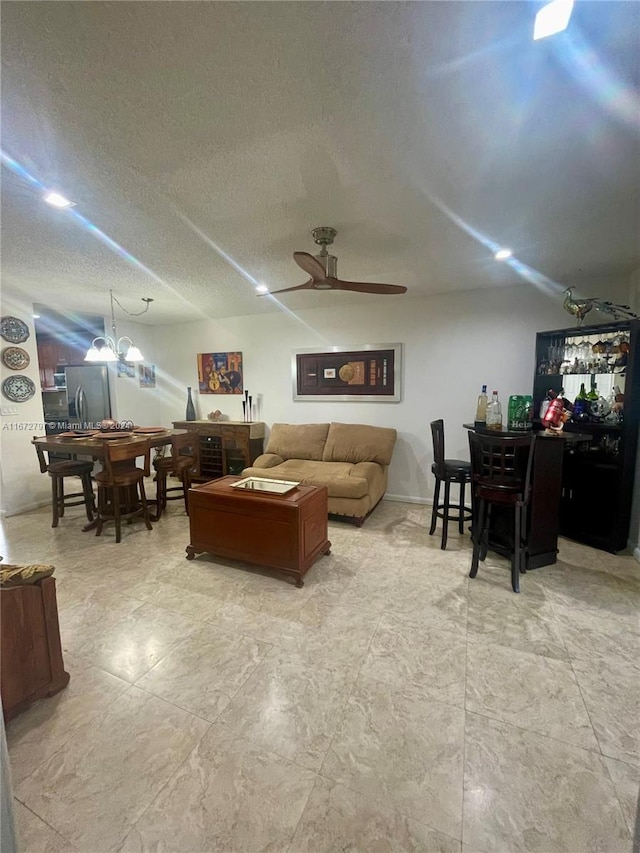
(226, 447)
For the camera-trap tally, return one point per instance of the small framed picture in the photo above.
(329, 373)
(126, 369)
(147, 375)
(220, 373)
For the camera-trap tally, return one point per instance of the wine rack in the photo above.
(598, 473)
(211, 457)
(226, 447)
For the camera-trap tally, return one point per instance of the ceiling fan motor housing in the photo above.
(330, 264)
(324, 236)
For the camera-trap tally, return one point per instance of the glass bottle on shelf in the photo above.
(494, 412)
(481, 408)
(580, 405)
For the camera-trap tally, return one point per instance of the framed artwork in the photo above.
(126, 369)
(220, 373)
(147, 375)
(363, 372)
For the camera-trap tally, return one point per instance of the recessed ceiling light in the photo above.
(36, 316)
(552, 19)
(57, 200)
(503, 254)
(262, 288)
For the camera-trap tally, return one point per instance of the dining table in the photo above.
(93, 445)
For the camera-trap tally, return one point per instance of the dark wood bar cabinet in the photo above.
(597, 475)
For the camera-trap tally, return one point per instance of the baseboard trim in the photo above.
(4, 513)
(407, 499)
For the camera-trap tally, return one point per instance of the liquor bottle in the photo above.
(580, 412)
(494, 412)
(593, 393)
(481, 409)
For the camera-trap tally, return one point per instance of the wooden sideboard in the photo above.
(31, 665)
(226, 447)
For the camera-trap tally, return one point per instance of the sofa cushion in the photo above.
(298, 441)
(359, 443)
(337, 477)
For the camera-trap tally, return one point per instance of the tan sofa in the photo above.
(351, 460)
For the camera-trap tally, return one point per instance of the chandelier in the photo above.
(113, 348)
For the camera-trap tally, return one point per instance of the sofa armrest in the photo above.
(268, 460)
(376, 477)
(371, 471)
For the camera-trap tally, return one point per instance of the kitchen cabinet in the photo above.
(54, 353)
(598, 473)
(225, 447)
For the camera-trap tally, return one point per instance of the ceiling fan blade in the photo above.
(308, 285)
(310, 265)
(366, 287)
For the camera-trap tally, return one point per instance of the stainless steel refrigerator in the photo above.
(88, 398)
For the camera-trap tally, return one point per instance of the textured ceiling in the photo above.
(208, 138)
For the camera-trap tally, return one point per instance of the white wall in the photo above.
(130, 401)
(451, 346)
(22, 485)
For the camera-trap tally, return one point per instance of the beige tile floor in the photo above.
(392, 704)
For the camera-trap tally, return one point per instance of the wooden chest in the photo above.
(285, 532)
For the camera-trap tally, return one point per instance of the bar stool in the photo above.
(121, 492)
(447, 471)
(501, 473)
(184, 450)
(58, 471)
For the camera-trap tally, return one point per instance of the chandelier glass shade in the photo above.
(104, 348)
(111, 348)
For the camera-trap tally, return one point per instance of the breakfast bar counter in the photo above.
(544, 512)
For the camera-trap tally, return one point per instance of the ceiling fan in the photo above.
(323, 268)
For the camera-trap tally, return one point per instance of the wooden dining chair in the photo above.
(183, 459)
(121, 493)
(57, 471)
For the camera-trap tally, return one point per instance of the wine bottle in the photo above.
(481, 409)
(191, 411)
(580, 405)
(494, 412)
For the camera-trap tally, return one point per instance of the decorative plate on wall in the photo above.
(14, 330)
(15, 358)
(18, 389)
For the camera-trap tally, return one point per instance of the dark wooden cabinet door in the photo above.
(47, 362)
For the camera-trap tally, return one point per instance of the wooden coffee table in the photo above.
(285, 532)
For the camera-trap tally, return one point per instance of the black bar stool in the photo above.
(501, 471)
(58, 471)
(447, 471)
